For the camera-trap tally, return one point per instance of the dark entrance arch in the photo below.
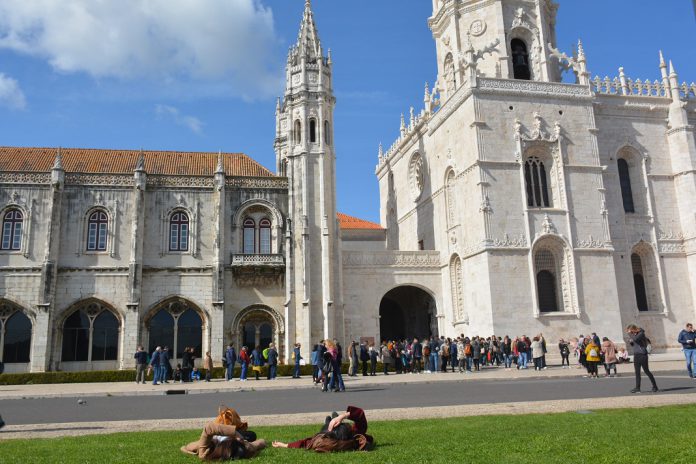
(407, 312)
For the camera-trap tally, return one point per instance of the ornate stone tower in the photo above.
(516, 33)
(304, 153)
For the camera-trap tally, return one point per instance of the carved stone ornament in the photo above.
(514, 242)
(478, 27)
(417, 176)
(590, 243)
(548, 226)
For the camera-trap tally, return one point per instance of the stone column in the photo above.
(130, 330)
(42, 339)
(217, 322)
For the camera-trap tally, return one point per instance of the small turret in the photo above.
(57, 172)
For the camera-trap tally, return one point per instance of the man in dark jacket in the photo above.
(140, 364)
(165, 366)
(272, 361)
(640, 342)
(687, 338)
(364, 358)
(230, 360)
(155, 365)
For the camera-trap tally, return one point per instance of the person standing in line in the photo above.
(417, 349)
(592, 358)
(521, 353)
(352, 359)
(386, 357)
(187, 364)
(140, 364)
(444, 355)
(208, 365)
(373, 359)
(537, 353)
(609, 352)
(244, 363)
(297, 356)
(272, 362)
(687, 338)
(506, 351)
(639, 342)
(364, 358)
(256, 361)
(544, 351)
(476, 353)
(165, 365)
(564, 349)
(434, 354)
(230, 359)
(454, 353)
(155, 365)
(315, 359)
(462, 356)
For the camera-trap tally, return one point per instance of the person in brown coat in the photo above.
(341, 432)
(208, 366)
(225, 438)
(610, 360)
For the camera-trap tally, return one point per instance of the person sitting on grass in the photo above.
(225, 438)
(341, 432)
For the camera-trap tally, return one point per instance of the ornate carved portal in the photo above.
(258, 325)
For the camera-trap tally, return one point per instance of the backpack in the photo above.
(426, 350)
(593, 353)
(467, 350)
(445, 351)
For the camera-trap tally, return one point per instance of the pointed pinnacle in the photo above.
(403, 121)
(220, 165)
(58, 163)
(140, 164)
(662, 60)
(581, 50)
(427, 91)
(671, 68)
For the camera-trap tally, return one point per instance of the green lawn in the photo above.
(651, 435)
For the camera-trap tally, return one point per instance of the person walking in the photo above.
(230, 360)
(364, 358)
(687, 338)
(297, 356)
(640, 344)
(592, 358)
(155, 365)
(609, 352)
(272, 362)
(140, 364)
(244, 363)
(373, 359)
(208, 366)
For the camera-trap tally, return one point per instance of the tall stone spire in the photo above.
(308, 43)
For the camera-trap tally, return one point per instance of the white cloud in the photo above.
(11, 94)
(231, 41)
(192, 123)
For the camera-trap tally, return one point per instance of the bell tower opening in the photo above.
(520, 60)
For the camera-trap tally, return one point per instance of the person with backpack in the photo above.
(272, 357)
(244, 363)
(445, 355)
(564, 349)
(257, 361)
(641, 350)
(592, 358)
(417, 349)
(230, 359)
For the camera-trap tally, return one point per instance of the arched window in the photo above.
(639, 283)
(12, 230)
(536, 182)
(327, 133)
(176, 325)
(450, 199)
(298, 132)
(98, 225)
(626, 191)
(450, 75)
(16, 334)
(189, 333)
(90, 334)
(265, 237)
(313, 131)
(179, 232)
(547, 281)
(76, 337)
(105, 337)
(249, 236)
(520, 60)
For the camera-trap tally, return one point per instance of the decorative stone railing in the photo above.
(629, 87)
(258, 260)
(414, 259)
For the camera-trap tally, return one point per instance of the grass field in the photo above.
(651, 435)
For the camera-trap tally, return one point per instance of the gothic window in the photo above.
(90, 334)
(536, 183)
(547, 281)
(520, 60)
(639, 283)
(645, 278)
(450, 75)
(161, 330)
(249, 236)
(450, 199)
(265, 237)
(16, 338)
(97, 229)
(179, 232)
(313, 131)
(176, 325)
(189, 332)
(626, 191)
(327, 132)
(12, 230)
(298, 132)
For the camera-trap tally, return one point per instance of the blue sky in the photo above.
(203, 75)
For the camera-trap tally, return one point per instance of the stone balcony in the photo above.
(258, 270)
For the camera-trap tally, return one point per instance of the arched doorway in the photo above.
(258, 326)
(178, 324)
(15, 334)
(407, 312)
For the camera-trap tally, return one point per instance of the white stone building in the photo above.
(511, 203)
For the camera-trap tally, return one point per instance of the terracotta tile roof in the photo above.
(350, 222)
(85, 160)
